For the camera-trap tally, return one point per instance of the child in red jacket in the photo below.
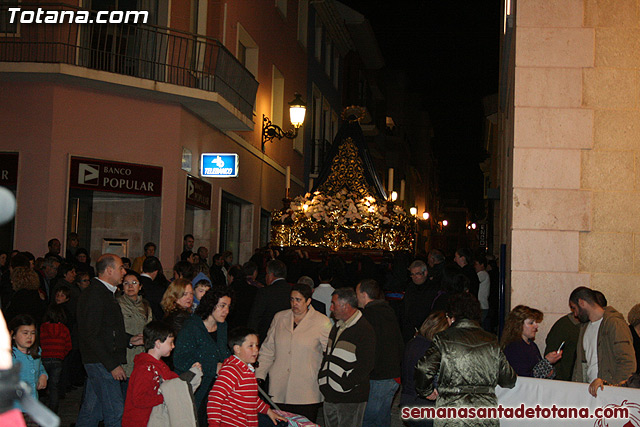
(55, 341)
(233, 400)
(149, 371)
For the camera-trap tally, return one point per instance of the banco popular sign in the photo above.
(115, 177)
(198, 193)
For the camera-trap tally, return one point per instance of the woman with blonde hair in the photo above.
(27, 297)
(415, 349)
(518, 344)
(176, 303)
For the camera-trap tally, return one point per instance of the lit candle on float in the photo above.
(287, 178)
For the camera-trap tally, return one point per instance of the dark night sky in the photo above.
(451, 51)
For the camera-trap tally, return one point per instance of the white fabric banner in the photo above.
(532, 392)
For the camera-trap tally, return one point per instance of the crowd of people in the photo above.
(329, 336)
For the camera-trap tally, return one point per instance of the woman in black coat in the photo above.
(27, 298)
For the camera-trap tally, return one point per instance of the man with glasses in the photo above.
(417, 299)
(48, 272)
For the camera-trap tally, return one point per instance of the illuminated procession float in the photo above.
(348, 208)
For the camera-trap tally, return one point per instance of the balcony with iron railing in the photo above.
(194, 70)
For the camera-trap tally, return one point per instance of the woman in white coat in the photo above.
(292, 353)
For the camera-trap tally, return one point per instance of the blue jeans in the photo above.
(102, 399)
(378, 411)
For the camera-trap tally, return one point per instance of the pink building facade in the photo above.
(109, 138)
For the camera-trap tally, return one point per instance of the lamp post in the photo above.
(297, 111)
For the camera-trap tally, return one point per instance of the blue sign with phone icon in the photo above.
(219, 165)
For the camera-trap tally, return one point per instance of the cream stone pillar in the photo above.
(610, 251)
(575, 204)
(552, 131)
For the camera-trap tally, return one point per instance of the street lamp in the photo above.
(297, 111)
(413, 210)
(445, 222)
(425, 215)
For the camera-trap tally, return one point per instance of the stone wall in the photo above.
(610, 251)
(576, 140)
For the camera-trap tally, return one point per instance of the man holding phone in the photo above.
(564, 331)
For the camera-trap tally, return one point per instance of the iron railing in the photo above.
(139, 50)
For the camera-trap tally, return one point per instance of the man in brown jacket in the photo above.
(605, 347)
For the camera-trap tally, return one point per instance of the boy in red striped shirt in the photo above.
(233, 400)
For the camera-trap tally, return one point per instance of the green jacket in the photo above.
(566, 329)
(469, 364)
(195, 344)
(616, 356)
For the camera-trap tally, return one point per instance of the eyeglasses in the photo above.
(132, 283)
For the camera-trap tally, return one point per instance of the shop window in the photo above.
(282, 7)
(303, 21)
(318, 42)
(236, 228)
(327, 57)
(265, 228)
(197, 221)
(247, 51)
(8, 29)
(8, 180)
(277, 97)
(100, 217)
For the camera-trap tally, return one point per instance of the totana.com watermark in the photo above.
(43, 16)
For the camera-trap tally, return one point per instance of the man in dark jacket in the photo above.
(103, 345)
(245, 294)
(418, 299)
(347, 363)
(566, 330)
(216, 272)
(464, 259)
(389, 347)
(152, 286)
(271, 299)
